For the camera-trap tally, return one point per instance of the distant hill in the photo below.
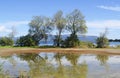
(88, 38)
(81, 37)
(51, 37)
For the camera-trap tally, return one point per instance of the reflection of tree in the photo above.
(39, 68)
(73, 58)
(60, 68)
(58, 57)
(79, 71)
(74, 71)
(1, 74)
(31, 57)
(37, 64)
(102, 58)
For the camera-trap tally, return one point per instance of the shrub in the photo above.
(57, 41)
(25, 41)
(71, 41)
(86, 44)
(102, 42)
(6, 41)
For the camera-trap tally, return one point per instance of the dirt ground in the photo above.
(10, 51)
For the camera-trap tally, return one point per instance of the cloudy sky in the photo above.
(99, 14)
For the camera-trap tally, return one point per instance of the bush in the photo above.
(25, 41)
(86, 45)
(71, 41)
(57, 41)
(102, 42)
(6, 41)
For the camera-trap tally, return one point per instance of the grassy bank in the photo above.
(4, 51)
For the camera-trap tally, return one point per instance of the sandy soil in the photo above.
(9, 51)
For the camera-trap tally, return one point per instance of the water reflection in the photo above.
(103, 59)
(73, 58)
(56, 65)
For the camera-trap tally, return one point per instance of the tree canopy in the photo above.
(60, 23)
(39, 27)
(76, 23)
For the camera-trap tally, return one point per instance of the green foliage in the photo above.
(6, 41)
(59, 23)
(71, 41)
(25, 41)
(86, 45)
(76, 23)
(47, 46)
(39, 27)
(57, 41)
(102, 41)
(103, 59)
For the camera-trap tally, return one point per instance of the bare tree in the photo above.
(13, 32)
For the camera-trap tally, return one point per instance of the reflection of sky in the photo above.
(14, 64)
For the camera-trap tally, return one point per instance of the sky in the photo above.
(99, 14)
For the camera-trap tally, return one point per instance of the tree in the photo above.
(71, 41)
(102, 40)
(75, 25)
(40, 26)
(25, 41)
(60, 23)
(6, 41)
(13, 32)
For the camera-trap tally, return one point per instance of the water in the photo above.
(50, 43)
(60, 65)
(114, 44)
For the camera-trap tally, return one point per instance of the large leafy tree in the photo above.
(75, 25)
(40, 26)
(60, 23)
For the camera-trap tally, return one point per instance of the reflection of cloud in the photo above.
(112, 8)
(104, 24)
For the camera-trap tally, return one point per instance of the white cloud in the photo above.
(15, 23)
(104, 24)
(98, 26)
(6, 26)
(112, 8)
(4, 29)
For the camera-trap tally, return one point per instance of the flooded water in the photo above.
(59, 65)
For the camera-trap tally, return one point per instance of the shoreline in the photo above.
(102, 51)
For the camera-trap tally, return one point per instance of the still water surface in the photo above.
(60, 65)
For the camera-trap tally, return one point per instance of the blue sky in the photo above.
(99, 14)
